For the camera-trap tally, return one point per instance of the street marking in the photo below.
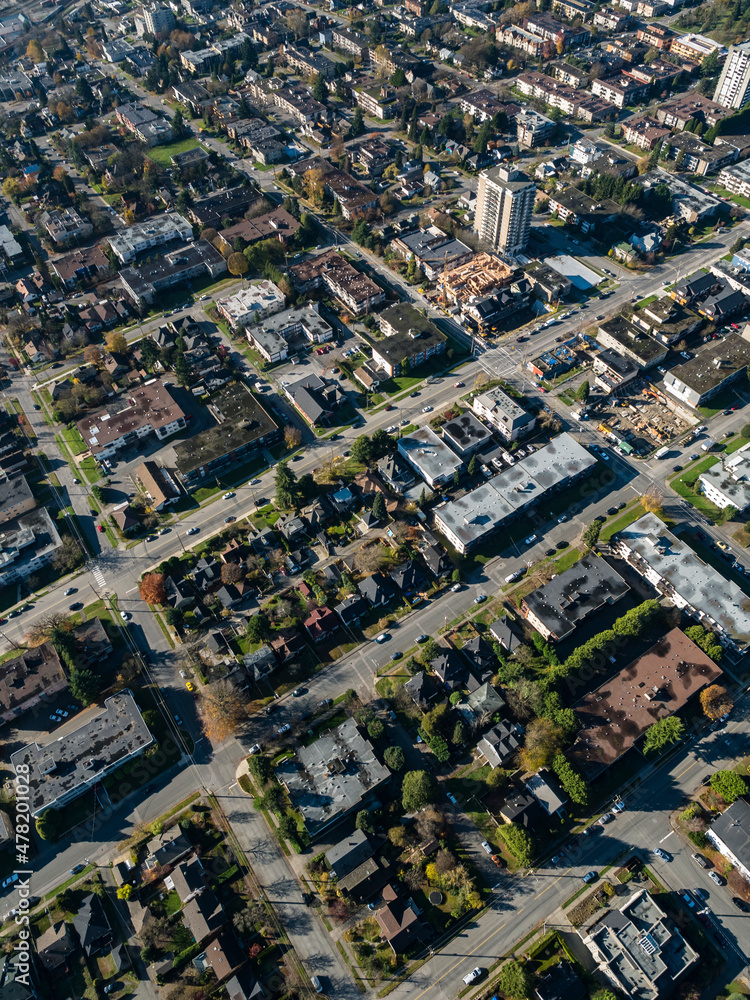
(548, 887)
(481, 943)
(686, 769)
(667, 837)
(99, 577)
(132, 590)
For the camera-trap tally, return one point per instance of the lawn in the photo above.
(74, 440)
(163, 154)
(685, 486)
(620, 523)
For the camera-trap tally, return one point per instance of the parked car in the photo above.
(471, 977)
(192, 531)
(255, 748)
(73, 871)
(480, 598)
(718, 879)
(383, 637)
(422, 638)
(397, 655)
(606, 818)
(316, 984)
(283, 729)
(700, 860)
(662, 854)
(486, 847)
(126, 616)
(529, 540)
(228, 496)
(589, 877)
(456, 587)
(741, 904)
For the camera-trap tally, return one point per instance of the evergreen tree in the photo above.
(425, 139)
(378, 507)
(358, 123)
(287, 487)
(473, 465)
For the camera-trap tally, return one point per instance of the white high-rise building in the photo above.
(733, 88)
(505, 200)
(159, 20)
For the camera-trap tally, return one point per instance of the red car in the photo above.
(100, 527)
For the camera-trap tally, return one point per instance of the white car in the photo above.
(255, 748)
(472, 976)
(529, 540)
(126, 616)
(228, 496)
(392, 429)
(487, 847)
(284, 729)
(383, 637)
(255, 482)
(426, 409)
(561, 518)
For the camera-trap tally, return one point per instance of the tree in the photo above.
(151, 589)
(515, 981)
(570, 779)
(260, 768)
(287, 487)
(583, 391)
(361, 450)
(232, 572)
(117, 342)
(364, 821)
(319, 90)
(378, 507)
(542, 742)
(34, 51)
(358, 123)
(398, 79)
(93, 355)
(473, 465)
(292, 436)
(375, 729)
(179, 129)
(149, 351)
(729, 785)
(716, 701)
(591, 534)
(394, 758)
(84, 685)
(519, 842)
(183, 370)
(237, 264)
(417, 790)
(125, 891)
(258, 627)
(430, 651)
(460, 733)
(652, 501)
(221, 708)
(662, 733)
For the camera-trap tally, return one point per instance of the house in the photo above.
(179, 594)
(520, 808)
(407, 577)
(451, 670)
(397, 474)
(546, 792)
(28, 679)
(224, 955)
(203, 915)
(377, 589)
(500, 743)
(350, 853)
(321, 624)
(91, 926)
(399, 923)
(352, 609)
(437, 561)
(54, 946)
(480, 655)
(188, 878)
(485, 701)
(561, 982)
(286, 644)
(125, 517)
(260, 663)
(167, 848)
(315, 398)
(730, 835)
(421, 689)
(503, 632)
(362, 882)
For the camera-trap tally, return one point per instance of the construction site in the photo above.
(477, 277)
(637, 420)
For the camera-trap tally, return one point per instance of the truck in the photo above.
(707, 445)
(662, 452)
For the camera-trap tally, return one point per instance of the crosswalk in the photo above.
(99, 576)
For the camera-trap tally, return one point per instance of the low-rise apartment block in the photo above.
(377, 102)
(329, 270)
(126, 244)
(708, 373)
(144, 124)
(644, 132)
(728, 483)
(736, 178)
(411, 339)
(142, 283)
(29, 679)
(696, 47)
(65, 768)
(429, 456)
(432, 250)
(64, 226)
(627, 339)
(252, 304)
(504, 414)
(351, 42)
(147, 409)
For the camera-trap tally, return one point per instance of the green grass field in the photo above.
(163, 154)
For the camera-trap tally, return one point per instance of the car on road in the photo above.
(456, 587)
(422, 638)
(589, 877)
(69, 591)
(561, 518)
(228, 520)
(74, 870)
(397, 655)
(298, 692)
(700, 860)
(426, 409)
(723, 546)
(126, 616)
(529, 540)
(606, 818)
(414, 395)
(392, 429)
(383, 637)
(100, 528)
(255, 482)
(255, 748)
(549, 552)
(75, 606)
(718, 879)
(458, 385)
(471, 977)
(741, 904)
(192, 531)
(190, 686)
(228, 496)
(662, 854)
(486, 847)
(480, 598)
(316, 984)
(283, 729)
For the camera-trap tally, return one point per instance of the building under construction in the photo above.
(477, 277)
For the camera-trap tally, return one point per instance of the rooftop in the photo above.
(466, 433)
(27, 676)
(58, 769)
(568, 599)
(429, 454)
(652, 687)
(126, 242)
(147, 404)
(711, 366)
(261, 296)
(732, 828)
(432, 247)
(639, 948)
(240, 420)
(332, 776)
(634, 340)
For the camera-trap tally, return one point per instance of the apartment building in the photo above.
(144, 124)
(332, 272)
(251, 304)
(505, 200)
(696, 47)
(64, 226)
(351, 42)
(377, 102)
(644, 132)
(504, 414)
(149, 409)
(621, 90)
(733, 88)
(128, 243)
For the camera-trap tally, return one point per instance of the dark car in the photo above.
(75, 606)
(77, 868)
(611, 511)
(414, 395)
(741, 904)
(550, 552)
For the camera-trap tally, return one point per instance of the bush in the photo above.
(698, 837)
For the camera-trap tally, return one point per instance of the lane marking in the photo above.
(685, 769)
(667, 837)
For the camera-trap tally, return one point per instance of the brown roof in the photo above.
(67, 266)
(146, 404)
(652, 687)
(29, 675)
(224, 955)
(151, 478)
(278, 224)
(54, 946)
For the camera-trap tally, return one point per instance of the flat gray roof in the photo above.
(709, 368)
(332, 776)
(428, 454)
(703, 587)
(79, 759)
(731, 476)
